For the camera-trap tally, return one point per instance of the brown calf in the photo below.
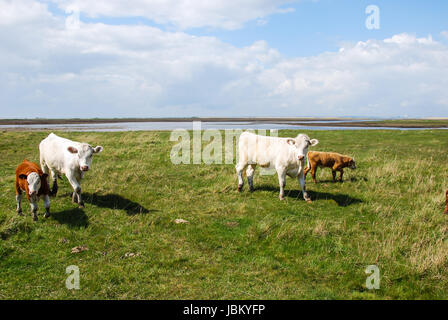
(446, 207)
(31, 180)
(335, 161)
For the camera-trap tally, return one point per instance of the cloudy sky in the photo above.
(156, 58)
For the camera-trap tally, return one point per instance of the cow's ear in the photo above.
(313, 142)
(72, 150)
(23, 176)
(98, 149)
(291, 141)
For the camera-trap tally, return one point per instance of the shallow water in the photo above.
(168, 126)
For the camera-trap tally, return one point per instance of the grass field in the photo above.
(388, 212)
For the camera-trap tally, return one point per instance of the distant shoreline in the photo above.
(314, 122)
(381, 124)
(121, 120)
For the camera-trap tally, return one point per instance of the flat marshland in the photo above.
(388, 213)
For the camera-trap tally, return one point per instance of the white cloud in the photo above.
(444, 34)
(183, 14)
(17, 12)
(106, 71)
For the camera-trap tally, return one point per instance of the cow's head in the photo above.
(352, 163)
(34, 181)
(85, 154)
(301, 144)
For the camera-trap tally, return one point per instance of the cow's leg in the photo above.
(54, 177)
(313, 173)
(19, 202)
(80, 202)
(250, 176)
(239, 171)
(47, 170)
(342, 172)
(301, 178)
(76, 198)
(282, 182)
(307, 169)
(333, 172)
(33, 204)
(47, 205)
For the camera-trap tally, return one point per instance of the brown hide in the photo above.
(332, 160)
(25, 168)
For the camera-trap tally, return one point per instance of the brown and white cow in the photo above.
(333, 160)
(31, 180)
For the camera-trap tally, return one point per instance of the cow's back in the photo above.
(52, 151)
(27, 167)
(324, 159)
(258, 149)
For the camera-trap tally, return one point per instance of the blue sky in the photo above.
(318, 26)
(223, 58)
(314, 27)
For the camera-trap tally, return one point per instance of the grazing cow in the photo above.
(63, 156)
(286, 155)
(335, 161)
(446, 207)
(31, 180)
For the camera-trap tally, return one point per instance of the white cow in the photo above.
(63, 156)
(286, 155)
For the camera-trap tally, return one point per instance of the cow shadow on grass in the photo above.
(356, 179)
(351, 179)
(74, 217)
(343, 200)
(115, 201)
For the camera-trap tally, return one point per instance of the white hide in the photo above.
(64, 156)
(286, 155)
(33, 180)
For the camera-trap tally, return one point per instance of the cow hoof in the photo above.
(306, 197)
(81, 205)
(239, 188)
(308, 201)
(47, 214)
(35, 217)
(251, 189)
(19, 212)
(281, 198)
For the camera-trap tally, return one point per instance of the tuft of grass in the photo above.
(245, 245)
